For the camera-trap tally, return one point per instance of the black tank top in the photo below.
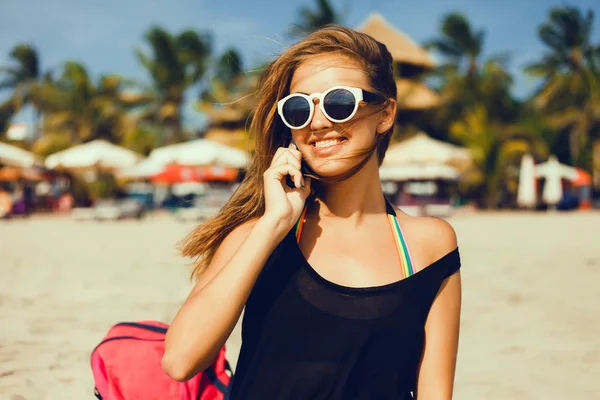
(304, 337)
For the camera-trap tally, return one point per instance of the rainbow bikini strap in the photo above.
(401, 245)
(300, 223)
(403, 253)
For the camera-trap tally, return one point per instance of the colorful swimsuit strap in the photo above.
(403, 253)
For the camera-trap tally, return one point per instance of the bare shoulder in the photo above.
(233, 241)
(434, 236)
(225, 251)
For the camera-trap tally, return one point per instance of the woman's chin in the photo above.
(331, 168)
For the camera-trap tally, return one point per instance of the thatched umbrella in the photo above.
(97, 154)
(16, 157)
(401, 46)
(200, 152)
(414, 95)
(423, 150)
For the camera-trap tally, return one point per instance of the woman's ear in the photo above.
(388, 117)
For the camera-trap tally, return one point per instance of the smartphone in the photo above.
(288, 178)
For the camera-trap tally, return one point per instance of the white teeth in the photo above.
(327, 143)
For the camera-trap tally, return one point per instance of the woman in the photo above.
(336, 305)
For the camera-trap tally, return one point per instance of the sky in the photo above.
(104, 35)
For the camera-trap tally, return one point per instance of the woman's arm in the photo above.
(212, 309)
(438, 364)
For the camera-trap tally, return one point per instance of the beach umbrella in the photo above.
(200, 152)
(526, 194)
(14, 156)
(12, 174)
(553, 172)
(98, 154)
(418, 172)
(421, 149)
(175, 173)
(144, 169)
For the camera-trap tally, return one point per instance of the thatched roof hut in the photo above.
(414, 95)
(401, 46)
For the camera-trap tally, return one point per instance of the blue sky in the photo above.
(103, 35)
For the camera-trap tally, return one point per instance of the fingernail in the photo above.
(302, 182)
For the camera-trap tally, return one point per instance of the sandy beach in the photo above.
(531, 303)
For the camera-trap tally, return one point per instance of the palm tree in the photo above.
(459, 42)
(567, 34)
(310, 20)
(7, 109)
(494, 147)
(569, 93)
(83, 110)
(176, 62)
(229, 95)
(22, 78)
(229, 99)
(481, 114)
(462, 81)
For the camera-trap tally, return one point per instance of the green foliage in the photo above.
(175, 63)
(562, 117)
(51, 143)
(312, 19)
(142, 139)
(569, 94)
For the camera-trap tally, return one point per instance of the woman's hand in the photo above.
(283, 205)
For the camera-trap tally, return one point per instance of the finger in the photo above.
(279, 172)
(286, 158)
(294, 150)
(306, 189)
(277, 154)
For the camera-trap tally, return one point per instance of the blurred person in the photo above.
(6, 203)
(336, 305)
(66, 202)
(18, 200)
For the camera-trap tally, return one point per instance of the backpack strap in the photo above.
(403, 252)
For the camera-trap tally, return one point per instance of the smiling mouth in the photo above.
(321, 144)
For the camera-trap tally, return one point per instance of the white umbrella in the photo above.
(553, 172)
(418, 172)
(96, 154)
(421, 149)
(144, 169)
(526, 194)
(16, 157)
(200, 152)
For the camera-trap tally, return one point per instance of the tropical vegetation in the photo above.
(478, 110)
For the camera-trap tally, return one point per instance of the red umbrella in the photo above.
(176, 173)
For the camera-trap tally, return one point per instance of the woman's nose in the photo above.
(319, 120)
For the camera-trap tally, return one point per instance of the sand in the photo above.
(531, 303)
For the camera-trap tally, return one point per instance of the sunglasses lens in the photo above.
(339, 104)
(296, 111)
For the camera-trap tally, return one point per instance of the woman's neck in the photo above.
(355, 196)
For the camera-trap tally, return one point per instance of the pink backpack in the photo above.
(126, 366)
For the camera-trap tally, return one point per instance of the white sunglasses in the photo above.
(339, 104)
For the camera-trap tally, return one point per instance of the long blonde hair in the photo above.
(269, 132)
